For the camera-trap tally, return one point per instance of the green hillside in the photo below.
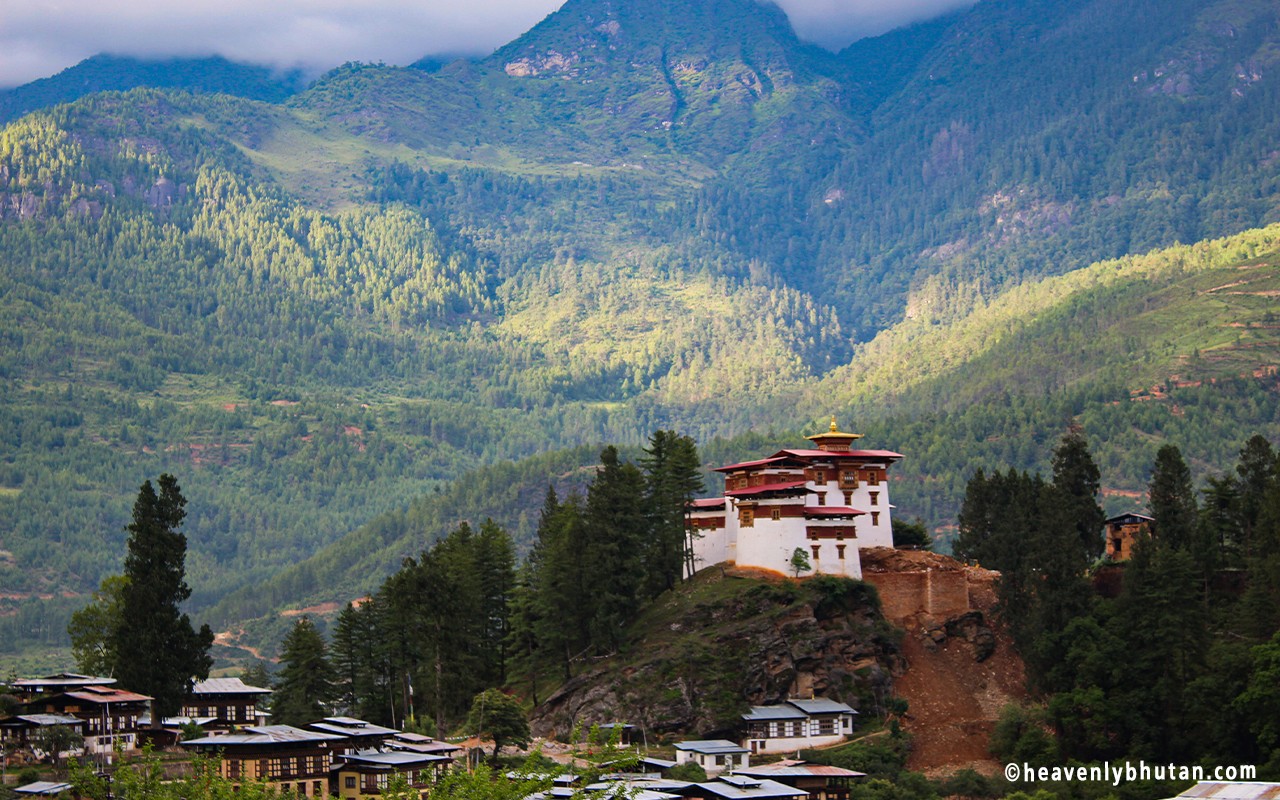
(319, 312)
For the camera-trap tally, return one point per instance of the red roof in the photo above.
(831, 511)
(707, 502)
(102, 694)
(765, 489)
(746, 464)
(843, 453)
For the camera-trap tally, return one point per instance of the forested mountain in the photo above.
(315, 307)
(108, 73)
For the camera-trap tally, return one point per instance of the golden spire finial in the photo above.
(833, 424)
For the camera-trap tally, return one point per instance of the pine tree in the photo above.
(495, 565)
(673, 478)
(562, 611)
(158, 652)
(1173, 499)
(616, 526)
(523, 648)
(353, 652)
(1257, 471)
(1163, 653)
(306, 680)
(1076, 475)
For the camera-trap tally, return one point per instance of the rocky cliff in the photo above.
(961, 667)
(920, 628)
(728, 640)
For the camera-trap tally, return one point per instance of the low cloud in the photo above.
(39, 39)
(837, 23)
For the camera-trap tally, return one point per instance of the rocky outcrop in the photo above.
(961, 666)
(724, 642)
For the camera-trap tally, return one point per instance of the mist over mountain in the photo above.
(104, 73)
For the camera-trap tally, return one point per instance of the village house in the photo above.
(283, 757)
(1123, 532)
(368, 773)
(22, 731)
(797, 724)
(745, 787)
(357, 734)
(110, 715)
(713, 755)
(828, 501)
(28, 689)
(225, 704)
(819, 781)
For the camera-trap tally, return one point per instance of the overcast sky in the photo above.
(41, 37)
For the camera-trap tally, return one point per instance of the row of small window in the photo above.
(317, 789)
(848, 479)
(233, 713)
(113, 723)
(787, 730)
(378, 781)
(282, 767)
(747, 516)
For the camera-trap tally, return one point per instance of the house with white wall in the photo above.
(713, 755)
(829, 501)
(797, 724)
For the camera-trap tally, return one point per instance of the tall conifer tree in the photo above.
(616, 527)
(672, 479)
(1173, 499)
(1076, 476)
(306, 681)
(159, 652)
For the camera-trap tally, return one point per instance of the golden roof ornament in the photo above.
(833, 438)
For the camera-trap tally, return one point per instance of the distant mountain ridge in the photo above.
(111, 73)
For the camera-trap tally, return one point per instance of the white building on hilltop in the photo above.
(829, 502)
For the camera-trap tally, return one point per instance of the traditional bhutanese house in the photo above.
(286, 758)
(1123, 532)
(745, 787)
(110, 715)
(418, 743)
(713, 755)
(358, 734)
(19, 731)
(368, 773)
(227, 702)
(829, 501)
(30, 688)
(819, 781)
(797, 724)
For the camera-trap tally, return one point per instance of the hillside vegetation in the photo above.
(318, 312)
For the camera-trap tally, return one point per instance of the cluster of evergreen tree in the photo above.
(1180, 664)
(460, 618)
(598, 559)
